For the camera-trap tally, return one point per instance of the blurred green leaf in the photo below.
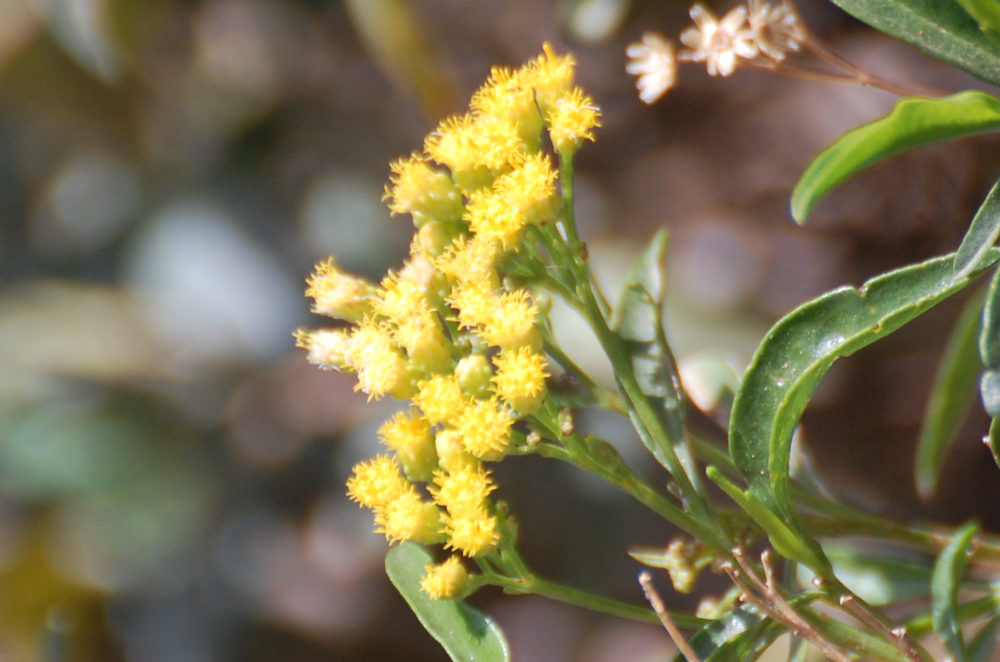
(982, 233)
(914, 122)
(989, 335)
(465, 633)
(948, 572)
(802, 346)
(878, 579)
(986, 13)
(951, 397)
(941, 29)
(639, 322)
(993, 440)
(984, 646)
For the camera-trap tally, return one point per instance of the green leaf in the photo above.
(914, 122)
(989, 335)
(983, 647)
(948, 572)
(801, 347)
(986, 13)
(982, 233)
(993, 440)
(792, 544)
(639, 323)
(951, 397)
(937, 27)
(729, 627)
(465, 633)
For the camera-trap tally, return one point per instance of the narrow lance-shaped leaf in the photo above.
(951, 397)
(639, 322)
(465, 633)
(982, 233)
(993, 440)
(939, 28)
(989, 335)
(914, 122)
(801, 347)
(948, 572)
(983, 647)
(717, 633)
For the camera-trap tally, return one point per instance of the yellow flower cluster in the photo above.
(448, 331)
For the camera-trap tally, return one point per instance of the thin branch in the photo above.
(772, 603)
(646, 581)
(897, 635)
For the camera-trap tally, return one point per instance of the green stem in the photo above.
(598, 603)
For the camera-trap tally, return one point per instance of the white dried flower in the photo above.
(654, 62)
(776, 28)
(718, 43)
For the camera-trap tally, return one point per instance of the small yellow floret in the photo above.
(513, 322)
(473, 533)
(339, 294)
(550, 75)
(530, 189)
(475, 148)
(410, 436)
(440, 398)
(484, 426)
(470, 259)
(474, 302)
(416, 187)
(520, 378)
(572, 120)
(507, 96)
(463, 488)
(380, 364)
(376, 482)
(327, 348)
(408, 517)
(445, 580)
(491, 217)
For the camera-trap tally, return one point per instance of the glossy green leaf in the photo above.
(639, 322)
(948, 572)
(801, 347)
(914, 122)
(952, 395)
(989, 335)
(940, 28)
(982, 233)
(792, 544)
(465, 633)
(983, 648)
(719, 632)
(986, 13)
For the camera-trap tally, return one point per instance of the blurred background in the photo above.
(171, 469)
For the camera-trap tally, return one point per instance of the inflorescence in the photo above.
(449, 331)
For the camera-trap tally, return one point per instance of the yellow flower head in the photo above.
(572, 120)
(508, 96)
(530, 189)
(491, 217)
(327, 348)
(462, 489)
(381, 366)
(338, 294)
(408, 517)
(474, 302)
(475, 148)
(376, 482)
(471, 259)
(473, 533)
(445, 580)
(450, 451)
(440, 398)
(426, 345)
(410, 436)
(520, 378)
(550, 75)
(416, 187)
(513, 322)
(484, 426)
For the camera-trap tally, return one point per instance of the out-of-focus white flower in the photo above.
(654, 62)
(718, 43)
(775, 28)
